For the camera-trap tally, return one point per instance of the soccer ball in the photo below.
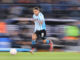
(13, 51)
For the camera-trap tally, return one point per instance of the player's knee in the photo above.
(34, 37)
(46, 41)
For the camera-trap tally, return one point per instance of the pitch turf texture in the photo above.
(41, 56)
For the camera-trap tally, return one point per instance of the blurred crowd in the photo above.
(50, 8)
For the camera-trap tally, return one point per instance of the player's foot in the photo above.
(51, 46)
(32, 51)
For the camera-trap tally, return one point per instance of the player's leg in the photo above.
(43, 36)
(51, 46)
(34, 37)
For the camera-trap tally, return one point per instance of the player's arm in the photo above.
(41, 17)
(39, 21)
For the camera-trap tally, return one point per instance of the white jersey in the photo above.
(38, 26)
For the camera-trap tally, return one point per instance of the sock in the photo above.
(33, 44)
(47, 41)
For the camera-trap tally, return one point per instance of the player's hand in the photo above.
(35, 19)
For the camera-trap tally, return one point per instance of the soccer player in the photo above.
(40, 28)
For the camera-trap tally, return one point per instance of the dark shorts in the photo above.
(41, 34)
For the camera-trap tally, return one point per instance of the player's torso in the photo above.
(37, 24)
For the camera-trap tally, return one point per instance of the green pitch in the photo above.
(41, 56)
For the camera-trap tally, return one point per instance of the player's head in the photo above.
(36, 10)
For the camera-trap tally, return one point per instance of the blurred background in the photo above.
(62, 19)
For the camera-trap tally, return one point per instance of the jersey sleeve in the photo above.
(41, 17)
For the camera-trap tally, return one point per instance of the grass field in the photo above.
(41, 56)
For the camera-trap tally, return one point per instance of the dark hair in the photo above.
(36, 8)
